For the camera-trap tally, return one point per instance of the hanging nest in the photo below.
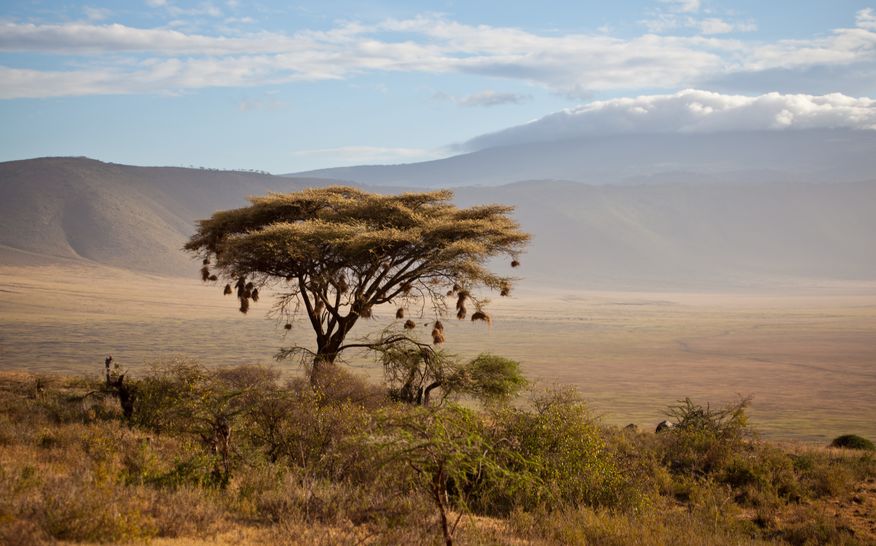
(244, 305)
(480, 315)
(227, 289)
(400, 313)
(240, 284)
(460, 304)
(342, 285)
(450, 292)
(213, 278)
(406, 288)
(255, 294)
(288, 326)
(289, 278)
(410, 325)
(504, 289)
(439, 326)
(515, 263)
(456, 287)
(437, 336)
(249, 286)
(206, 261)
(205, 273)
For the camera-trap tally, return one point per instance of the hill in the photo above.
(62, 208)
(667, 235)
(837, 155)
(691, 236)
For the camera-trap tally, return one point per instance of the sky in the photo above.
(291, 86)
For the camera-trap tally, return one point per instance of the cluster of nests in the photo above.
(245, 290)
(437, 328)
(461, 312)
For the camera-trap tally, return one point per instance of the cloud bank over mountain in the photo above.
(689, 111)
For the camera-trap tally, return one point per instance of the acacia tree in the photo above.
(335, 253)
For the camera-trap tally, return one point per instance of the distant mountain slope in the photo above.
(654, 236)
(686, 236)
(132, 217)
(757, 156)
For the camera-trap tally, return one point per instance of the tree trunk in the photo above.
(327, 349)
(323, 361)
(439, 493)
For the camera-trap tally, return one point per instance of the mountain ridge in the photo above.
(668, 235)
(811, 155)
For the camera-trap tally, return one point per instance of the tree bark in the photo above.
(440, 495)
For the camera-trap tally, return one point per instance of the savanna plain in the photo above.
(804, 354)
(339, 467)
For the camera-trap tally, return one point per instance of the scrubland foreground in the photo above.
(235, 456)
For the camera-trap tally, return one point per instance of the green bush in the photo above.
(562, 446)
(852, 441)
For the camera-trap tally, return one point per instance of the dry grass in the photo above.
(72, 471)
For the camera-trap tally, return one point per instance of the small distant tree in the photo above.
(414, 371)
(335, 253)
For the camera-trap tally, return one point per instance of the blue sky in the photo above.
(286, 86)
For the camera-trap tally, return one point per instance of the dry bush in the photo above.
(82, 508)
(298, 427)
(811, 526)
(704, 439)
(605, 527)
(185, 511)
(763, 475)
(337, 385)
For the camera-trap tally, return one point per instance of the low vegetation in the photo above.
(852, 441)
(235, 455)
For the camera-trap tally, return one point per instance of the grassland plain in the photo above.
(806, 355)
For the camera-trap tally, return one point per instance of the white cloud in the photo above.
(684, 6)
(691, 111)
(866, 19)
(110, 56)
(156, 3)
(96, 14)
(239, 20)
(662, 23)
(485, 98)
(355, 155)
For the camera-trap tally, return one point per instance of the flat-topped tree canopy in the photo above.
(339, 251)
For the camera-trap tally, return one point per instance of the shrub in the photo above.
(763, 475)
(80, 509)
(704, 439)
(810, 526)
(494, 378)
(852, 441)
(561, 445)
